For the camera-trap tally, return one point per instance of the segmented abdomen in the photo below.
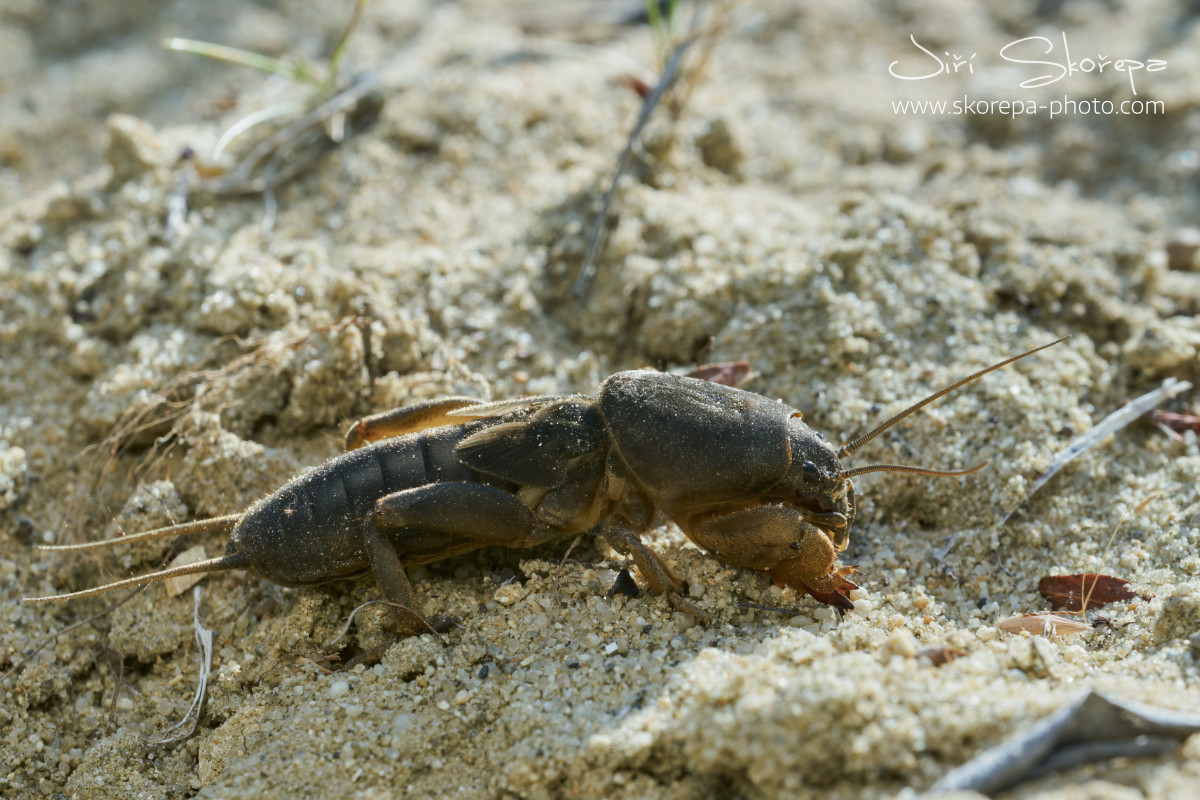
(320, 515)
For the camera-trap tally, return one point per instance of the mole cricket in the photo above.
(740, 474)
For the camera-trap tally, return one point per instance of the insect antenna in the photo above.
(850, 447)
(937, 473)
(225, 523)
(219, 564)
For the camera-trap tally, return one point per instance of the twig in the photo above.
(120, 673)
(317, 662)
(761, 607)
(587, 272)
(1107, 427)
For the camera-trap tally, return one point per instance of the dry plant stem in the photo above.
(587, 272)
(253, 120)
(1091, 727)
(361, 606)
(242, 180)
(670, 73)
(1110, 425)
(561, 564)
(119, 671)
(342, 47)
(695, 75)
(204, 640)
(1137, 509)
(174, 398)
(54, 636)
(1107, 427)
(761, 607)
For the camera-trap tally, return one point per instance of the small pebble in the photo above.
(896, 621)
(902, 643)
(508, 594)
(339, 688)
(1182, 247)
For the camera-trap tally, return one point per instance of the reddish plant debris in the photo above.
(638, 85)
(1070, 591)
(1174, 423)
(726, 373)
(941, 654)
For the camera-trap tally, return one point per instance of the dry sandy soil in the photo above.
(161, 363)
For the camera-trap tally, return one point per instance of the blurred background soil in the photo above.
(171, 352)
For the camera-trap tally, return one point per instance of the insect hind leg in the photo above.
(453, 509)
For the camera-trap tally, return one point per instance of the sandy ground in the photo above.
(857, 258)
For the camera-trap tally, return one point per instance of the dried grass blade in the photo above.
(205, 643)
(1107, 427)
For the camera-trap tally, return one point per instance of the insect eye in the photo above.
(811, 473)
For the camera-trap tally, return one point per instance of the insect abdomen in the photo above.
(319, 516)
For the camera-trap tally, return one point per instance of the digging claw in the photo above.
(833, 589)
(839, 596)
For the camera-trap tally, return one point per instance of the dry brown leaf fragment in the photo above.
(941, 655)
(1071, 591)
(1043, 624)
(1175, 423)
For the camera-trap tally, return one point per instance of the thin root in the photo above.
(416, 614)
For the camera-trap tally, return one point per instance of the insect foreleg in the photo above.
(778, 539)
(650, 564)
